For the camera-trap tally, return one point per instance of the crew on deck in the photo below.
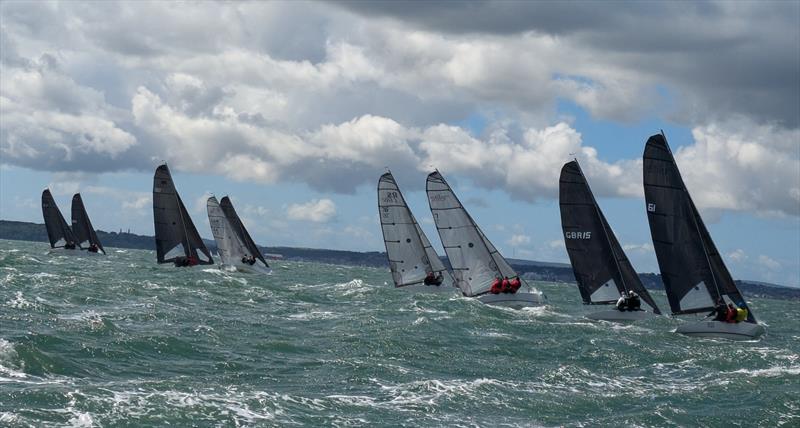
(93, 248)
(70, 245)
(185, 261)
(496, 286)
(629, 301)
(433, 279)
(720, 311)
(249, 260)
(514, 284)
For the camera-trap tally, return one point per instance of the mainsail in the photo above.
(176, 235)
(694, 275)
(476, 262)
(82, 227)
(240, 231)
(411, 255)
(58, 230)
(601, 268)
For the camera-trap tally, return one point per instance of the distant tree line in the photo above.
(538, 271)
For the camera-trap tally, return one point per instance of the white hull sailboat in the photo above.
(601, 268)
(476, 262)
(234, 244)
(695, 276)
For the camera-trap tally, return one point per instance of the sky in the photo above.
(294, 109)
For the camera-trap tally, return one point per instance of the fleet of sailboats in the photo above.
(412, 259)
(695, 277)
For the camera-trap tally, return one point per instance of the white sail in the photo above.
(476, 262)
(231, 249)
(410, 253)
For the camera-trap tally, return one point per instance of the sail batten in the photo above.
(690, 264)
(475, 261)
(173, 225)
(411, 255)
(599, 263)
(58, 231)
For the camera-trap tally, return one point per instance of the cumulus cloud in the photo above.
(317, 211)
(768, 262)
(518, 240)
(97, 87)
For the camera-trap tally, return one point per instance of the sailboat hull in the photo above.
(514, 301)
(246, 268)
(420, 288)
(76, 252)
(620, 316)
(738, 331)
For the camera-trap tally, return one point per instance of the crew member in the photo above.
(93, 248)
(730, 314)
(496, 286)
(505, 286)
(741, 313)
(634, 303)
(69, 245)
(622, 302)
(430, 279)
(719, 311)
(515, 284)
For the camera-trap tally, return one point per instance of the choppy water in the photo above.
(118, 340)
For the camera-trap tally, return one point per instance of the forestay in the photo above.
(82, 226)
(601, 267)
(410, 253)
(58, 231)
(475, 261)
(694, 275)
(176, 235)
(240, 230)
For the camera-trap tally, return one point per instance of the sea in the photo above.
(119, 340)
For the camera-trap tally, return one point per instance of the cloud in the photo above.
(518, 240)
(768, 262)
(737, 256)
(317, 211)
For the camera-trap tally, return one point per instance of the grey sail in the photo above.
(82, 226)
(411, 255)
(229, 246)
(601, 267)
(58, 231)
(694, 275)
(475, 261)
(240, 230)
(176, 235)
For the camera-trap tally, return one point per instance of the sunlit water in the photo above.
(119, 340)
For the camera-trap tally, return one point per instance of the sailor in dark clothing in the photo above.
(634, 303)
(430, 279)
(69, 245)
(93, 248)
(251, 260)
(439, 279)
(719, 311)
(181, 261)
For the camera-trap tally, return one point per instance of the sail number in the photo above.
(651, 208)
(578, 235)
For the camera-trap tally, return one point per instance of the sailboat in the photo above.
(85, 235)
(601, 268)
(476, 262)
(58, 231)
(411, 256)
(234, 244)
(695, 277)
(177, 240)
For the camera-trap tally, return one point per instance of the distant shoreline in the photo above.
(533, 270)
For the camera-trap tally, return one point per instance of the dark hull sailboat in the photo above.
(84, 232)
(411, 256)
(475, 260)
(58, 231)
(601, 268)
(177, 240)
(695, 277)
